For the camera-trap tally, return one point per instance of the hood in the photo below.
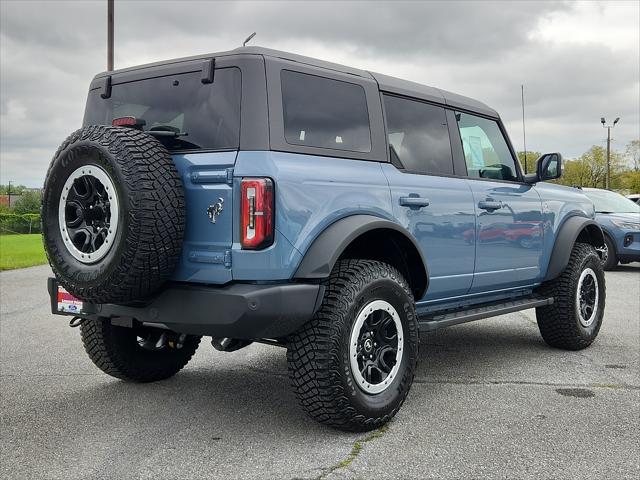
(628, 217)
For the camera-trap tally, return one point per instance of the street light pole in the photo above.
(608, 185)
(608, 127)
(109, 35)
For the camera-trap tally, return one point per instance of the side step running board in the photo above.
(454, 317)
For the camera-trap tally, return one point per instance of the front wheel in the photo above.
(573, 321)
(139, 354)
(352, 365)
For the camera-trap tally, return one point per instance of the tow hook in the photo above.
(76, 322)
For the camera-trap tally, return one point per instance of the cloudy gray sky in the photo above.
(578, 61)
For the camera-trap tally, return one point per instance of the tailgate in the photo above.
(206, 251)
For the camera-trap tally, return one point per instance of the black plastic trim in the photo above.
(323, 253)
(242, 311)
(566, 238)
(106, 87)
(459, 164)
(208, 70)
(478, 312)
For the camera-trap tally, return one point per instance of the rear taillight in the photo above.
(256, 209)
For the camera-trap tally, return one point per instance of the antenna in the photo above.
(524, 133)
(248, 38)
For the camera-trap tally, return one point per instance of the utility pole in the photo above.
(608, 127)
(109, 35)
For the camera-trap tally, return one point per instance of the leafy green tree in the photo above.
(29, 202)
(630, 181)
(590, 170)
(531, 161)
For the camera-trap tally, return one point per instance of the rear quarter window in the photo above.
(207, 114)
(325, 113)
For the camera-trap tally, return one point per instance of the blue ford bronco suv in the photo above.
(260, 196)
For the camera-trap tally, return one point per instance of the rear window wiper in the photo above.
(166, 133)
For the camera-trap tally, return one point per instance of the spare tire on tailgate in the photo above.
(112, 214)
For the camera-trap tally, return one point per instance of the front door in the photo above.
(508, 235)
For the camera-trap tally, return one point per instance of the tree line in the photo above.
(590, 169)
(24, 215)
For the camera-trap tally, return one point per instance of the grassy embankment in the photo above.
(19, 251)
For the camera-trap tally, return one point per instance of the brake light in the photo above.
(256, 208)
(128, 122)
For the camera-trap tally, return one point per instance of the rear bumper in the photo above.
(243, 311)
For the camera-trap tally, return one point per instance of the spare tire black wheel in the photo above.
(113, 214)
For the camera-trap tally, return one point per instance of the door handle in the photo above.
(490, 205)
(414, 202)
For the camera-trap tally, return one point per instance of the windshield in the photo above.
(188, 114)
(611, 202)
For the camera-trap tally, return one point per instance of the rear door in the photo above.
(508, 212)
(427, 199)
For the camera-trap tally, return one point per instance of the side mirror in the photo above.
(548, 167)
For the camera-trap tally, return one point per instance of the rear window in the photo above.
(205, 116)
(326, 113)
(418, 135)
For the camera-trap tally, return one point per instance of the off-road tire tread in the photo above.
(105, 351)
(557, 322)
(313, 355)
(155, 224)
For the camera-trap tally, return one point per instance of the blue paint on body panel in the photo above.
(468, 250)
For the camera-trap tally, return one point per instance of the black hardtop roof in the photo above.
(386, 83)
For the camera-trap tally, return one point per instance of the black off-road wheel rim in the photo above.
(376, 347)
(587, 297)
(88, 214)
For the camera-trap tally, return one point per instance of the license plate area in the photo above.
(62, 302)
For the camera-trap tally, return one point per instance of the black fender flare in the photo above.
(575, 228)
(321, 256)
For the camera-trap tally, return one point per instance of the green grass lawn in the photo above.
(19, 251)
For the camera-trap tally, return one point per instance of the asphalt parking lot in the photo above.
(490, 400)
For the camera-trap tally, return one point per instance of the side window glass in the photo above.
(418, 135)
(485, 148)
(326, 113)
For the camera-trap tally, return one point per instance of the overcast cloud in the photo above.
(578, 61)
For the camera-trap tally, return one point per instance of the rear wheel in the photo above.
(352, 365)
(140, 354)
(573, 321)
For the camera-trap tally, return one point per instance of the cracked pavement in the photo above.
(490, 400)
